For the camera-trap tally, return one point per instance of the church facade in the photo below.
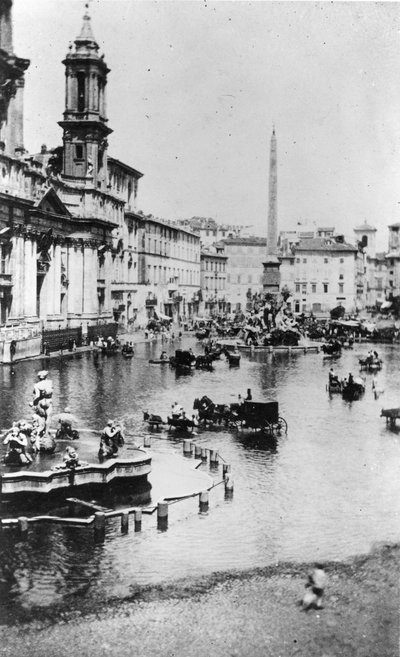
(75, 252)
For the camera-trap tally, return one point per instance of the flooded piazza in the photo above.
(328, 489)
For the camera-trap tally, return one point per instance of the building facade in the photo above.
(321, 274)
(75, 251)
(244, 270)
(213, 281)
(210, 231)
(392, 259)
(168, 271)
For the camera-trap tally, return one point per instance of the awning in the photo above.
(159, 315)
(350, 323)
(386, 305)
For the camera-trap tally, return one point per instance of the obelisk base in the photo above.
(271, 276)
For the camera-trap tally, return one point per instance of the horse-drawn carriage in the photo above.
(370, 364)
(353, 389)
(231, 351)
(178, 422)
(183, 361)
(261, 416)
(391, 415)
(334, 386)
(332, 349)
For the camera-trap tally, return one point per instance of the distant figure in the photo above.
(177, 410)
(249, 395)
(377, 388)
(333, 378)
(315, 586)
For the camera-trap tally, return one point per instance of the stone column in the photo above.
(53, 282)
(75, 277)
(108, 265)
(57, 279)
(18, 277)
(30, 279)
(90, 303)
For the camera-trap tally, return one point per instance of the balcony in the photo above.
(6, 280)
(150, 303)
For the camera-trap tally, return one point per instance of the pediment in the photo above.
(52, 204)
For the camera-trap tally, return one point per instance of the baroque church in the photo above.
(68, 226)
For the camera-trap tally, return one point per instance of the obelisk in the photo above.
(271, 273)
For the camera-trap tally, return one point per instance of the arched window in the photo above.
(80, 76)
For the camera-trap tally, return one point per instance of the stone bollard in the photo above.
(138, 520)
(125, 522)
(226, 468)
(214, 459)
(228, 487)
(203, 501)
(147, 441)
(270, 349)
(162, 516)
(23, 527)
(197, 451)
(204, 454)
(187, 447)
(99, 526)
(289, 350)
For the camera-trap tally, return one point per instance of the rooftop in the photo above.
(323, 244)
(249, 241)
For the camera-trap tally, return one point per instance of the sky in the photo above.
(195, 88)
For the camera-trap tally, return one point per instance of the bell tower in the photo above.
(85, 128)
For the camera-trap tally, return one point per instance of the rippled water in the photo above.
(328, 489)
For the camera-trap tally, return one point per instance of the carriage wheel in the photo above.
(281, 425)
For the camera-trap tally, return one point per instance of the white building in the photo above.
(322, 273)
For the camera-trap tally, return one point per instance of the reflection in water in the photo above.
(328, 489)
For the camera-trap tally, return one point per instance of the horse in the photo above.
(212, 413)
(153, 420)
